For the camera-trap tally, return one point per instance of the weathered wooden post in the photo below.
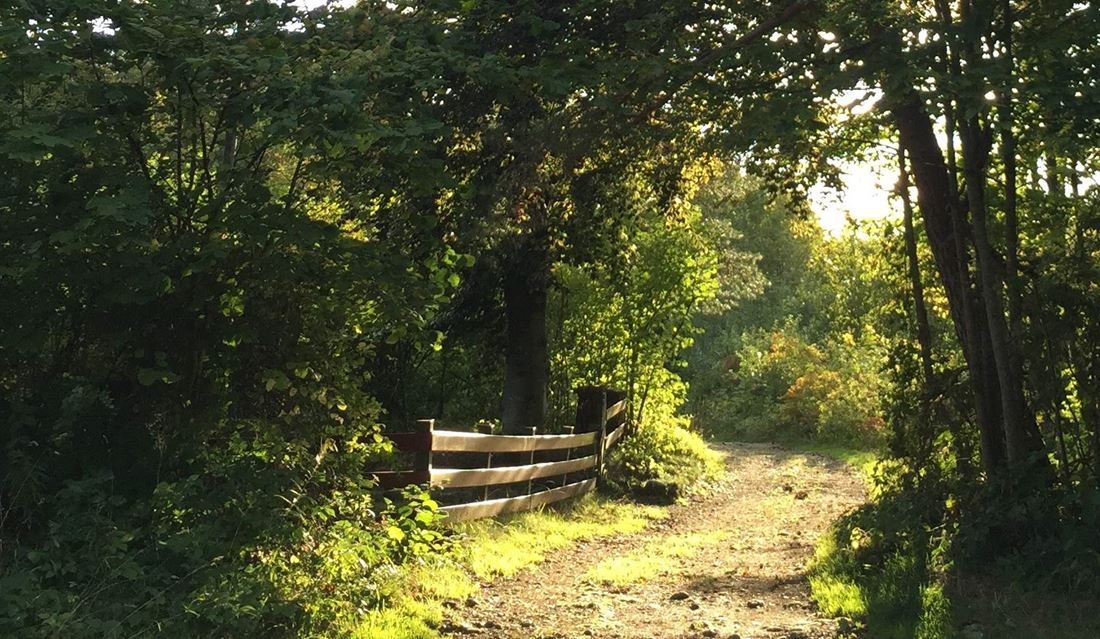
(614, 397)
(486, 429)
(592, 417)
(422, 461)
(531, 460)
(568, 430)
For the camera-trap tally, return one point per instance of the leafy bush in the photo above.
(664, 448)
(192, 294)
(779, 385)
(249, 546)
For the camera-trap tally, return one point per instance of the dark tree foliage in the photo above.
(238, 237)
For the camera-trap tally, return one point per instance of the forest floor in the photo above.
(730, 563)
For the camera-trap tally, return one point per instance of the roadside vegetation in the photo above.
(241, 241)
(486, 550)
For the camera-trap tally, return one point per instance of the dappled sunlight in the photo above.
(730, 560)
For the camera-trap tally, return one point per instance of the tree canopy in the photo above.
(242, 241)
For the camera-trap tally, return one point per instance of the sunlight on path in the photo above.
(729, 564)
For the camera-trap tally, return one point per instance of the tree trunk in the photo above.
(943, 224)
(1021, 432)
(920, 310)
(526, 359)
(1008, 157)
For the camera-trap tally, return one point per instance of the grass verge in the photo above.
(490, 549)
(890, 567)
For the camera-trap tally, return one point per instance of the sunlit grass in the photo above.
(862, 460)
(415, 608)
(652, 559)
(836, 593)
(502, 547)
(893, 592)
(493, 548)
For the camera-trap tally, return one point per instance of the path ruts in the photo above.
(732, 564)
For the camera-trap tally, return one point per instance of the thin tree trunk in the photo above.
(1054, 175)
(1021, 432)
(966, 308)
(920, 310)
(1008, 157)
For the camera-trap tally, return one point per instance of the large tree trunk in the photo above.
(944, 225)
(526, 358)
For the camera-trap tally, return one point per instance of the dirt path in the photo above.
(731, 564)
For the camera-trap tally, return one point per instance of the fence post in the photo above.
(592, 417)
(601, 439)
(568, 430)
(423, 460)
(486, 429)
(531, 460)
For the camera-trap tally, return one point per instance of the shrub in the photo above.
(779, 385)
(266, 540)
(663, 447)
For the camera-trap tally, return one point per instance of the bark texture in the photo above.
(945, 227)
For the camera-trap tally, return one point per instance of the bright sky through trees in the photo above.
(866, 195)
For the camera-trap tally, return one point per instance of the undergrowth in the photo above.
(908, 566)
(663, 448)
(490, 549)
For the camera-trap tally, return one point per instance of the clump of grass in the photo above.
(493, 548)
(502, 547)
(415, 606)
(652, 559)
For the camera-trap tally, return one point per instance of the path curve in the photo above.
(729, 564)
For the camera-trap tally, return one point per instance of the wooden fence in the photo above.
(573, 461)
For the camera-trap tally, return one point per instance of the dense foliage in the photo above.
(190, 299)
(241, 240)
(802, 360)
(226, 226)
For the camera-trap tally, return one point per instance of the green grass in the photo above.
(877, 569)
(502, 547)
(490, 549)
(892, 586)
(836, 593)
(861, 459)
(415, 608)
(652, 559)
